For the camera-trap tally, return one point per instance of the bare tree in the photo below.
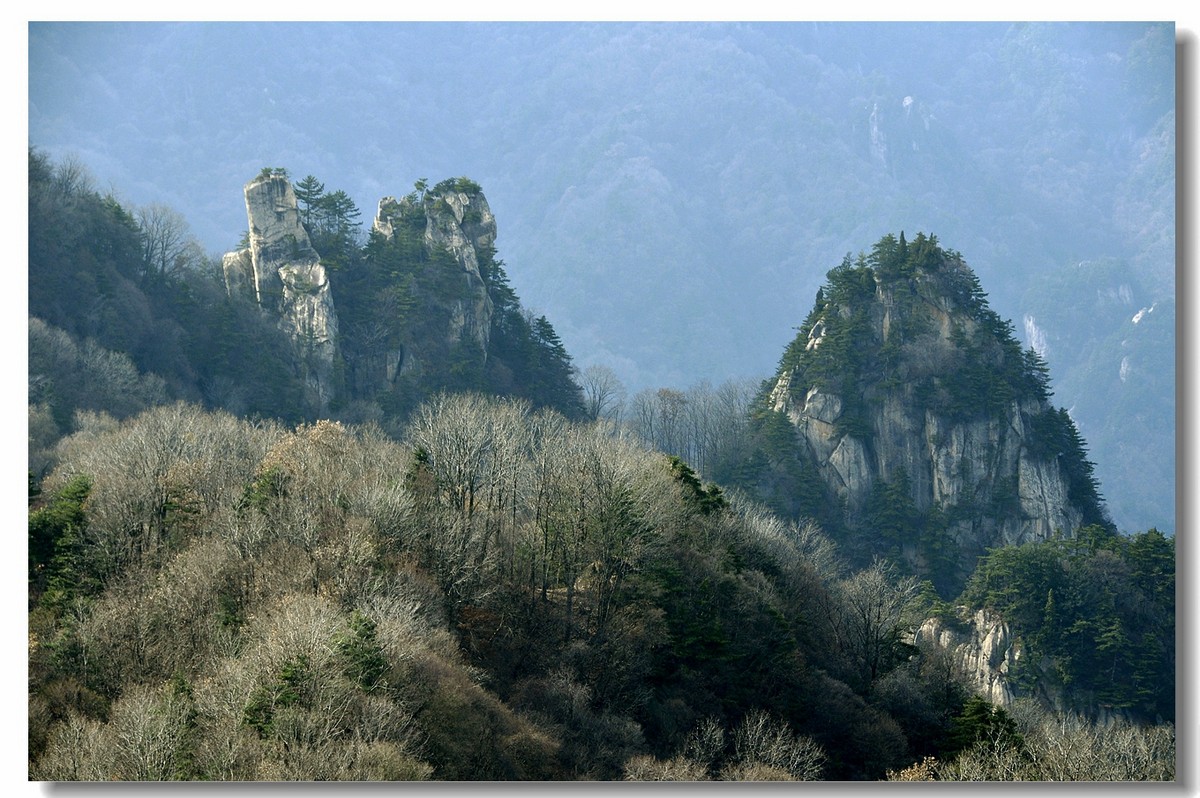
(74, 752)
(1068, 747)
(596, 493)
(142, 741)
(72, 178)
(156, 473)
(873, 604)
(604, 394)
(766, 749)
(168, 248)
(658, 417)
(646, 768)
(469, 452)
(86, 376)
(702, 425)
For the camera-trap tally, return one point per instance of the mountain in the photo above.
(919, 424)
(476, 587)
(674, 192)
(309, 319)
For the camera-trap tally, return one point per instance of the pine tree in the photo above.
(309, 192)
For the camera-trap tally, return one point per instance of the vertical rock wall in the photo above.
(282, 273)
(980, 472)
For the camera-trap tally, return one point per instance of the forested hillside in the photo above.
(126, 312)
(499, 568)
(500, 594)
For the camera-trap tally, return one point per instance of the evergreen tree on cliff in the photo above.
(925, 423)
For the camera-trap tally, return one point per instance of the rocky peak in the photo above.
(457, 219)
(422, 304)
(924, 419)
(282, 273)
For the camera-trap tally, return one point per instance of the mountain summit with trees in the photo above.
(339, 510)
(423, 305)
(920, 421)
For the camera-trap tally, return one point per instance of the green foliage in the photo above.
(981, 722)
(182, 329)
(332, 222)
(398, 292)
(837, 351)
(891, 512)
(705, 499)
(284, 691)
(1015, 581)
(366, 663)
(56, 546)
(777, 470)
(1100, 604)
(456, 184)
(309, 192)
(267, 488)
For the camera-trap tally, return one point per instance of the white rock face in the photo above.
(239, 274)
(947, 463)
(463, 234)
(984, 653)
(283, 273)
(981, 472)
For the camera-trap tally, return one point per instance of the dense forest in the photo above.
(505, 572)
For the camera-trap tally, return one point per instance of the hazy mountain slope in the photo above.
(672, 193)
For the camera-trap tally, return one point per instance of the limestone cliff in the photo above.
(283, 274)
(922, 417)
(982, 650)
(414, 312)
(456, 220)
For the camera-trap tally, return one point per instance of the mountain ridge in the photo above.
(422, 306)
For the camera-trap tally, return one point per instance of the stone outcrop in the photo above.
(988, 657)
(885, 420)
(982, 651)
(433, 307)
(282, 273)
(460, 222)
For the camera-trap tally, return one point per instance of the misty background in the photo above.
(671, 195)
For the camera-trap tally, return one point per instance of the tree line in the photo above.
(500, 593)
